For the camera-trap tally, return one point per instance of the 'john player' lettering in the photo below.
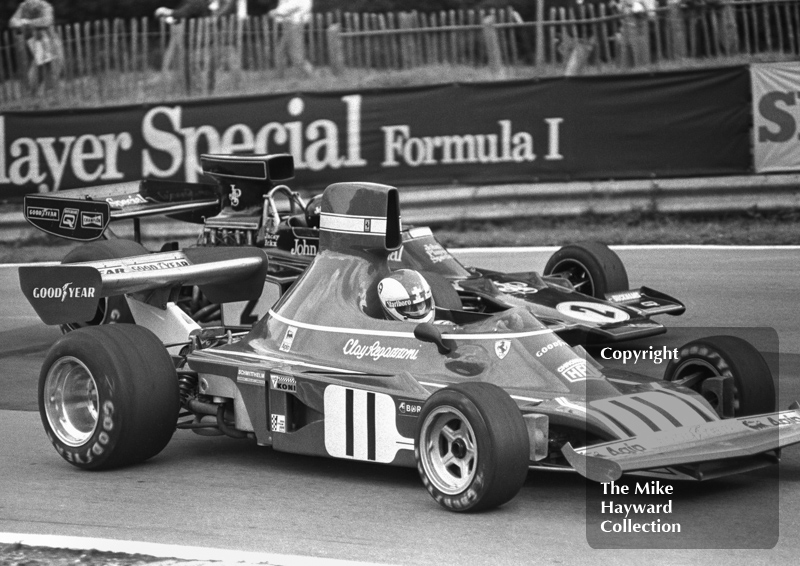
(376, 351)
(302, 247)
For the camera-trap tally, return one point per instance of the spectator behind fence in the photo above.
(634, 35)
(186, 9)
(176, 19)
(178, 40)
(293, 15)
(36, 21)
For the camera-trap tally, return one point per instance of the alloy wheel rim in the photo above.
(71, 401)
(449, 451)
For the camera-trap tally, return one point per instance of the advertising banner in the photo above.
(776, 144)
(625, 126)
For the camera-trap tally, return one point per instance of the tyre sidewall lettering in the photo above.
(462, 501)
(135, 392)
(101, 442)
(473, 493)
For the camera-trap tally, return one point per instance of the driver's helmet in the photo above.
(405, 295)
(313, 209)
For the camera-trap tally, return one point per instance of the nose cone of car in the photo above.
(360, 217)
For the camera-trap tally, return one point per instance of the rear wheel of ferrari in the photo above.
(111, 309)
(472, 447)
(591, 267)
(108, 396)
(726, 356)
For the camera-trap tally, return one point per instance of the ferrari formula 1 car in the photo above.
(472, 399)
(584, 293)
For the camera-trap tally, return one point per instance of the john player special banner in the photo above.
(670, 124)
(776, 144)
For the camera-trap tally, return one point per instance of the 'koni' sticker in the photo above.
(361, 425)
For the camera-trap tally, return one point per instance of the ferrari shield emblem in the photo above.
(501, 348)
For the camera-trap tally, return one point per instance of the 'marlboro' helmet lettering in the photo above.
(405, 295)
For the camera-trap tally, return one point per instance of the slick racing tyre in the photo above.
(718, 356)
(472, 447)
(111, 309)
(108, 396)
(591, 267)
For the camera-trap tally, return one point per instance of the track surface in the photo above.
(219, 492)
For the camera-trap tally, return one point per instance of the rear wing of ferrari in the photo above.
(71, 293)
(723, 440)
(84, 214)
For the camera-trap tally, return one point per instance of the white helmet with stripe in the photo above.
(406, 296)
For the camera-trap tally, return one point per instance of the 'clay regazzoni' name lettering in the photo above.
(376, 351)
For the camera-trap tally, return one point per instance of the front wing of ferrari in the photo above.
(724, 440)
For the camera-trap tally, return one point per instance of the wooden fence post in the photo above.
(408, 48)
(335, 48)
(730, 37)
(539, 33)
(676, 31)
(492, 45)
(22, 63)
(297, 47)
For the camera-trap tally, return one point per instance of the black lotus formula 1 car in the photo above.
(583, 293)
(472, 399)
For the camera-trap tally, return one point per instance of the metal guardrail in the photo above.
(692, 195)
(436, 205)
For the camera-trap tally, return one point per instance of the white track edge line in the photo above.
(627, 247)
(173, 551)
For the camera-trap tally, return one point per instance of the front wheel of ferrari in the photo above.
(592, 268)
(472, 447)
(108, 396)
(726, 356)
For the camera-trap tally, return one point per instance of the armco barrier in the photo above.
(709, 194)
(429, 205)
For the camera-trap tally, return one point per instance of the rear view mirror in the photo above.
(428, 332)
